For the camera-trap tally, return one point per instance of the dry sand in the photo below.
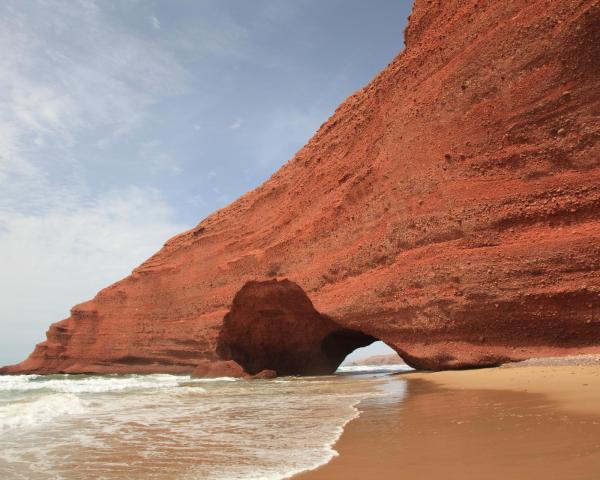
(538, 420)
(575, 387)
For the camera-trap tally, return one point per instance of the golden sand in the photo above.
(529, 423)
(576, 388)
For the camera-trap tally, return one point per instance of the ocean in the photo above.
(66, 427)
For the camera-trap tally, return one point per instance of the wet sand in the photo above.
(530, 422)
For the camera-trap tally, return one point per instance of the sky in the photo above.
(123, 123)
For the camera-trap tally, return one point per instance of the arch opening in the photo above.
(339, 344)
(377, 353)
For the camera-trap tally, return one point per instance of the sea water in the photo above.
(175, 427)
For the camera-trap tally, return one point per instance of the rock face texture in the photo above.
(219, 368)
(451, 208)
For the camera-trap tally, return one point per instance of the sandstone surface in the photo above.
(216, 369)
(451, 208)
(265, 375)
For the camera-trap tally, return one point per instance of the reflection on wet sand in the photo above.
(425, 431)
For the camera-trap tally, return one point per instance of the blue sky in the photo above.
(124, 123)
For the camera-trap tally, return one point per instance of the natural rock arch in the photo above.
(451, 208)
(273, 325)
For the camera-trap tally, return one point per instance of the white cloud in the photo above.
(237, 124)
(53, 261)
(155, 22)
(73, 80)
(99, 80)
(216, 34)
(11, 161)
(156, 161)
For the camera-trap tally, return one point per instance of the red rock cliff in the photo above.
(450, 208)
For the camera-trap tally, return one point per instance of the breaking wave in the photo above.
(172, 426)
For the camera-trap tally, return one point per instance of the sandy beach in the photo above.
(538, 420)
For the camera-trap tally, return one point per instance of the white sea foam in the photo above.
(168, 426)
(90, 384)
(33, 412)
(216, 379)
(374, 368)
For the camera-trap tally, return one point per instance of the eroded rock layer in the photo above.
(450, 208)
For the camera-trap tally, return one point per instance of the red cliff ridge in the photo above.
(451, 208)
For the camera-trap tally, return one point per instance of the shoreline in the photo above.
(534, 419)
(170, 426)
